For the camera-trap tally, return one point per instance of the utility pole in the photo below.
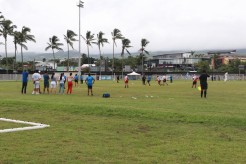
(80, 5)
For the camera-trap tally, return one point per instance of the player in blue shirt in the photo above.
(65, 77)
(24, 81)
(46, 82)
(81, 79)
(76, 79)
(149, 79)
(89, 81)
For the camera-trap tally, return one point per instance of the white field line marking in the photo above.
(35, 125)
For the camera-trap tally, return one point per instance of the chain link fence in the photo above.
(18, 77)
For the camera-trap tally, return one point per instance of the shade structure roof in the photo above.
(133, 73)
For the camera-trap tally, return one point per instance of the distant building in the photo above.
(40, 65)
(224, 57)
(127, 68)
(180, 60)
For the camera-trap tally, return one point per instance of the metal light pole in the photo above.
(80, 5)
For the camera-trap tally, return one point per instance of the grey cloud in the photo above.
(167, 24)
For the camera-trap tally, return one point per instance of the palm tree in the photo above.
(144, 43)
(6, 29)
(1, 18)
(100, 42)
(89, 40)
(0, 15)
(69, 38)
(24, 37)
(1, 43)
(116, 34)
(125, 45)
(53, 44)
(16, 41)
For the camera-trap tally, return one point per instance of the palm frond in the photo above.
(60, 49)
(1, 16)
(83, 37)
(144, 42)
(59, 44)
(116, 34)
(125, 45)
(7, 28)
(146, 52)
(128, 52)
(69, 37)
(47, 48)
(100, 39)
(53, 44)
(24, 46)
(30, 38)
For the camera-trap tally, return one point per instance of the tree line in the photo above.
(21, 37)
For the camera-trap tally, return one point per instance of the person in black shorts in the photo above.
(143, 79)
(46, 81)
(76, 80)
(203, 82)
(81, 79)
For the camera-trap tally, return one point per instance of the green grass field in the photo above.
(141, 124)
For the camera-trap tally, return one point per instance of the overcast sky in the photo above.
(167, 24)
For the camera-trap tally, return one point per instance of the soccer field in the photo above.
(139, 124)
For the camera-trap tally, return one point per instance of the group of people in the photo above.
(50, 83)
(162, 79)
(144, 80)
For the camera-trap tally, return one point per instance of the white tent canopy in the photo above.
(133, 74)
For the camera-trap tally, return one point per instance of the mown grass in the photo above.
(141, 124)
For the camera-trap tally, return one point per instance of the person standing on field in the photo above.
(171, 78)
(149, 79)
(158, 78)
(36, 77)
(24, 81)
(62, 82)
(194, 82)
(226, 76)
(204, 85)
(81, 79)
(76, 80)
(46, 82)
(126, 79)
(164, 79)
(143, 79)
(90, 81)
(70, 83)
(53, 83)
(65, 77)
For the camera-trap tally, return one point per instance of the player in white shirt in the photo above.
(36, 77)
